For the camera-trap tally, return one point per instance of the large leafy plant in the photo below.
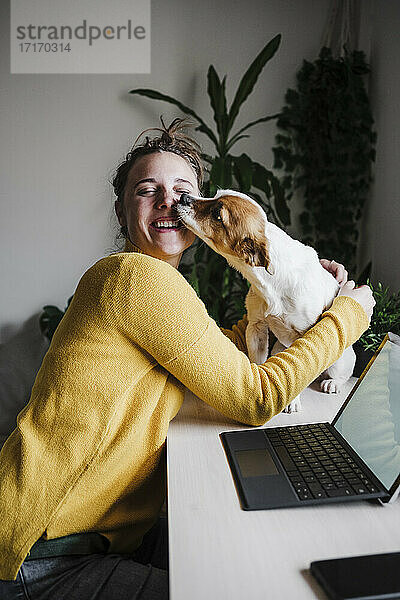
(221, 288)
(325, 148)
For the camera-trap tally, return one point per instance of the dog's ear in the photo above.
(255, 253)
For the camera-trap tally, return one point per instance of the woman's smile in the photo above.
(166, 224)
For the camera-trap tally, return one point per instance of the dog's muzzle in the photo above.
(185, 200)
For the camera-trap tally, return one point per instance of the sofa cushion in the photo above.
(20, 359)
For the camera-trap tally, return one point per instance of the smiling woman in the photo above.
(147, 211)
(149, 183)
(83, 474)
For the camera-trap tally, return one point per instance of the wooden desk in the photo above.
(218, 551)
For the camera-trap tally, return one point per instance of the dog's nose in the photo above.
(185, 200)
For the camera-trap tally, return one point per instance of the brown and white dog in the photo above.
(289, 287)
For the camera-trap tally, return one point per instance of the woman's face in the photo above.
(154, 186)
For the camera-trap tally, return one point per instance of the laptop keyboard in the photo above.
(317, 464)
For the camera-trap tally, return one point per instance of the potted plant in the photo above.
(326, 148)
(386, 317)
(221, 288)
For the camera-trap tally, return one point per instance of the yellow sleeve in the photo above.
(237, 334)
(157, 309)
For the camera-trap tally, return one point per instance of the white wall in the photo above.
(383, 217)
(63, 135)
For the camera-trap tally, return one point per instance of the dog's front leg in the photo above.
(257, 341)
(257, 329)
(337, 374)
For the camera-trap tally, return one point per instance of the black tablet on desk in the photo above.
(356, 457)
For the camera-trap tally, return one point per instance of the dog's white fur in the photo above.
(287, 297)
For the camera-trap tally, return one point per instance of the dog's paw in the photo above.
(330, 386)
(293, 406)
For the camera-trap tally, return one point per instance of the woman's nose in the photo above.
(167, 198)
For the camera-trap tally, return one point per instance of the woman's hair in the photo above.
(172, 139)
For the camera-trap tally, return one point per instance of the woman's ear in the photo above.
(119, 211)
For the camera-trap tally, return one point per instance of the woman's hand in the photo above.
(362, 295)
(335, 269)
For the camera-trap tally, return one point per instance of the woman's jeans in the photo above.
(143, 575)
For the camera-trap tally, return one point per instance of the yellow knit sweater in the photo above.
(86, 453)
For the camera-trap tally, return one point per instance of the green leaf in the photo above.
(194, 280)
(226, 282)
(262, 179)
(159, 96)
(221, 172)
(243, 171)
(249, 79)
(216, 92)
(237, 135)
(230, 144)
(260, 201)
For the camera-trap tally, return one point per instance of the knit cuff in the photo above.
(352, 316)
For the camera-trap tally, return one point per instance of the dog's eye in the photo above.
(216, 213)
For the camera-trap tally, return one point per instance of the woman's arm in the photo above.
(158, 311)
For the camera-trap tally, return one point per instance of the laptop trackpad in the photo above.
(255, 463)
(264, 483)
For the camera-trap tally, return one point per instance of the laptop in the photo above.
(355, 457)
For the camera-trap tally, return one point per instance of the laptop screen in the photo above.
(370, 421)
